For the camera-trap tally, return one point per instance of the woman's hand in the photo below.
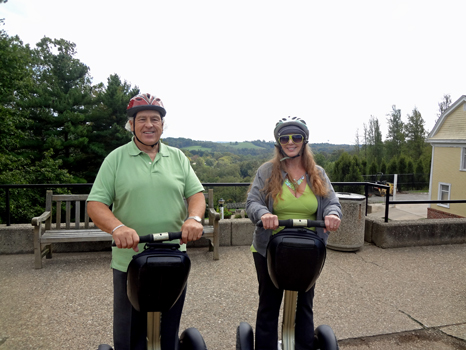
(332, 223)
(269, 221)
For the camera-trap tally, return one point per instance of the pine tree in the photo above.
(415, 134)
(395, 137)
(58, 104)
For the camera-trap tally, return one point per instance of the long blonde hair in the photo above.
(274, 183)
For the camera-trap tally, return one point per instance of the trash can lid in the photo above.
(350, 196)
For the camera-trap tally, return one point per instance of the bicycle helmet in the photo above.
(291, 125)
(288, 126)
(144, 102)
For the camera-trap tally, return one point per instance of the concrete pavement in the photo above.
(400, 211)
(404, 298)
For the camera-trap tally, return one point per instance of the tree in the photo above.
(395, 137)
(374, 140)
(443, 105)
(342, 167)
(14, 61)
(415, 134)
(373, 170)
(353, 176)
(402, 170)
(392, 166)
(419, 176)
(357, 145)
(107, 123)
(58, 104)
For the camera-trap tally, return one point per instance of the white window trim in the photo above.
(463, 159)
(440, 184)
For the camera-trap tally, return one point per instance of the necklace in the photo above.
(291, 185)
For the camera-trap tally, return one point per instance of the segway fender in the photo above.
(326, 339)
(244, 337)
(104, 347)
(191, 339)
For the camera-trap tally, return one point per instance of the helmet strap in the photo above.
(296, 156)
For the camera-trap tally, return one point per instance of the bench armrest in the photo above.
(38, 219)
(213, 216)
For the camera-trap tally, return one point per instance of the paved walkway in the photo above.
(400, 211)
(406, 298)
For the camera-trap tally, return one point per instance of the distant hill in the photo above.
(247, 147)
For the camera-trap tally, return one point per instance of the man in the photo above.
(146, 182)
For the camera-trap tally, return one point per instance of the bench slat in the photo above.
(57, 236)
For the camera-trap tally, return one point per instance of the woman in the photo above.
(290, 186)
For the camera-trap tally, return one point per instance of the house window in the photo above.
(463, 159)
(444, 194)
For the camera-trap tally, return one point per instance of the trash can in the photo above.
(350, 235)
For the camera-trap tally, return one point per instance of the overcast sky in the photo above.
(228, 70)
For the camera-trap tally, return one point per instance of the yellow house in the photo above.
(448, 168)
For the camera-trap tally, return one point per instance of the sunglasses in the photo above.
(296, 139)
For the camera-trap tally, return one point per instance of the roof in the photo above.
(442, 119)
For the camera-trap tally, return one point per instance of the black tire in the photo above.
(326, 339)
(244, 337)
(104, 347)
(191, 339)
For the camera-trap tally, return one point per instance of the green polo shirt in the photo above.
(147, 195)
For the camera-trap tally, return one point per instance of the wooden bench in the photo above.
(46, 232)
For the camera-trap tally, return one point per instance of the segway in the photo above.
(295, 258)
(156, 279)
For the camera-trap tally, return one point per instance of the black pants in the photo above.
(130, 326)
(270, 299)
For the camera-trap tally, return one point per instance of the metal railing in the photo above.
(366, 185)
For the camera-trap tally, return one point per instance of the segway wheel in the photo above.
(191, 339)
(325, 338)
(104, 347)
(244, 337)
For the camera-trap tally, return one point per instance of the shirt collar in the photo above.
(135, 151)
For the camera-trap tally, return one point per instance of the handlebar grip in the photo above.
(158, 237)
(298, 223)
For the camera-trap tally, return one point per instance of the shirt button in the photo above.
(150, 162)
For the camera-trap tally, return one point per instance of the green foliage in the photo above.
(373, 170)
(393, 166)
(341, 167)
(415, 135)
(354, 176)
(419, 176)
(395, 136)
(27, 203)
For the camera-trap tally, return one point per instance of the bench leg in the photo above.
(37, 258)
(216, 241)
(49, 251)
(37, 248)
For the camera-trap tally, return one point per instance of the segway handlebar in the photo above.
(158, 237)
(298, 223)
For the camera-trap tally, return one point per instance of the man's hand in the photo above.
(191, 231)
(126, 237)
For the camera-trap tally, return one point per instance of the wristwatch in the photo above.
(197, 218)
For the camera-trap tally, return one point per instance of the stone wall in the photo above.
(17, 239)
(407, 233)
